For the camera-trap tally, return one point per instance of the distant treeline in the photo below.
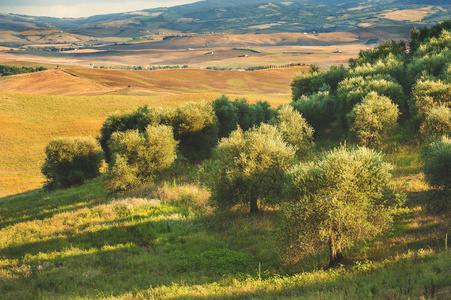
(246, 49)
(8, 70)
(208, 68)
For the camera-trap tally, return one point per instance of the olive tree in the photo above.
(139, 157)
(437, 122)
(335, 202)
(195, 126)
(70, 161)
(373, 119)
(295, 130)
(250, 168)
(437, 162)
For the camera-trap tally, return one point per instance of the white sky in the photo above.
(81, 8)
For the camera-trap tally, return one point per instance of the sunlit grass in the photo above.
(164, 241)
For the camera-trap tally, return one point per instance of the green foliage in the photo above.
(250, 168)
(353, 90)
(318, 109)
(437, 122)
(295, 130)
(195, 126)
(427, 94)
(231, 114)
(372, 120)
(138, 118)
(381, 52)
(309, 83)
(227, 114)
(393, 66)
(334, 203)
(437, 162)
(250, 115)
(138, 158)
(9, 70)
(428, 66)
(71, 161)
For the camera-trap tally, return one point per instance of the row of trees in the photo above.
(10, 70)
(415, 77)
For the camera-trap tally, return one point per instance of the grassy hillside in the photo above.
(163, 242)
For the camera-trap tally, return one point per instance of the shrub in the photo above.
(352, 91)
(71, 161)
(195, 126)
(437, 162)
(295, 130)
(227, 114)
(337, 201)
(139, 157)
(318, 109)
(309, 83)
(250, 168)
(372, 120)
(427, 94)
(138, 118)
(437, 122)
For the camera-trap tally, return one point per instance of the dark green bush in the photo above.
(240, 112)
(195, 126)
(437, 162)
(137, 118)
(425, 95)
(227, 114)
(437, 165)
(71, 161)
(318, 109)
(306, 84)
(352, 91)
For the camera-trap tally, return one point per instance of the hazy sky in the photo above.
(81, 8)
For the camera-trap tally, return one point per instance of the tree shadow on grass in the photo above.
(40, 204)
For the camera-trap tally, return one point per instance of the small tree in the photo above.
(318, 109)
(195, 126)
(372, 120)
(227, 114)
(250, 168)
(437, 122)
(70, 161)
(437, 162)
(295, 130)
(138, 158)
(334, 203)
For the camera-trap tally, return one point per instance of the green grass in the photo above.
(163, 241)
